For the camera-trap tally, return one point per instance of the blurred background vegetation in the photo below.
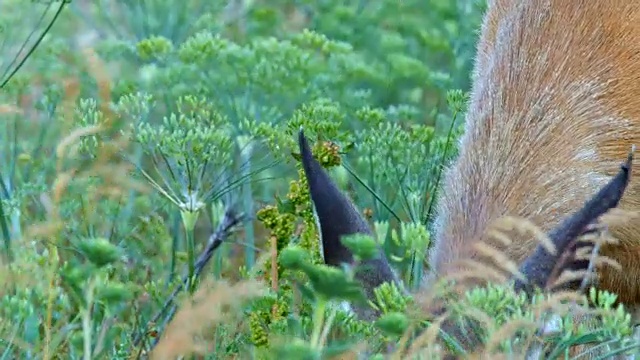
(140, 137)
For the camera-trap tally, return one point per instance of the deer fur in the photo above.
(554, 108)
(337, 216)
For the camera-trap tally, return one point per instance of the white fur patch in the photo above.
(553, 325)
(346, 307)
(586, 154)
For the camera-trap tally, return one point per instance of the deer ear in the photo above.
(336, 214)
(539, 266)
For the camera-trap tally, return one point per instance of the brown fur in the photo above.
(555, 105)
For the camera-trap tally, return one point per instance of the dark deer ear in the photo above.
(538, 267)
(337, 217)
(336, 214)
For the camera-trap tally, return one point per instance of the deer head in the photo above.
(337, 216)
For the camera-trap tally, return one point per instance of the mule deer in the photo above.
(554, 107)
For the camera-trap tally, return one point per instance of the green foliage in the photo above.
(133, 118)
(99, 251)
(363, 247)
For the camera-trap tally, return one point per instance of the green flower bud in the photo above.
(99, 251)
(154, 47)
(114, 292)
(457, 100)
(293, 257)
(333, 283)
(393, 324)
(361, 245)
(296, 349)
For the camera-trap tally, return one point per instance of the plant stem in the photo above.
(86, 319)
(416, 267)
(175, 241)
(248, 209)
(318, 320)
(218, 215)
(246, 151)
(54, 263)
(327, 326)
(189, 219)
(191, 259)
(15, 224)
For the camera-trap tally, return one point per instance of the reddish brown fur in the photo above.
(555, 106)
